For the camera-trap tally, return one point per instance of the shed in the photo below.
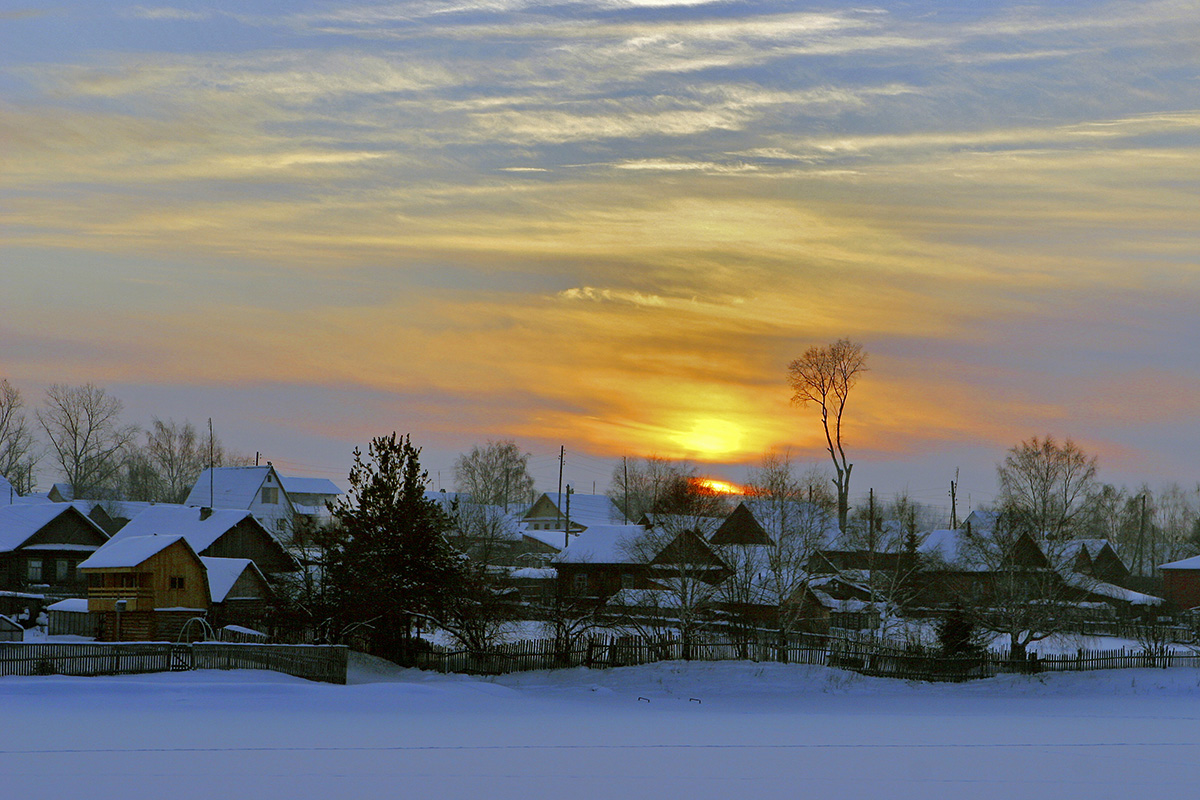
(10, 631)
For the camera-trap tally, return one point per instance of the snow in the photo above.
(1187, 563)
(19, 522)
(75, 605)
(223, 574)
(601, 544)
(661, 731)
(186, 521)
(119, 553)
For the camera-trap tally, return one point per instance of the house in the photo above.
(41, 546)
(1097, 558)
(238, 592)
(1181, 582)
(146, 588)
(584, 510)
(10, 631)
(258, 490)
(214, 532)
(600, 561)
(311, 498)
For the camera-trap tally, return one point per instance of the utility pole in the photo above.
(567, 532)
(954, 501)
(562, 456)
(1141, 540)
(212, 494)
(625, 464)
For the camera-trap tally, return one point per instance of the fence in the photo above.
(325, 663)
(864, 655)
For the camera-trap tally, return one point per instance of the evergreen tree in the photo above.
(393, 562)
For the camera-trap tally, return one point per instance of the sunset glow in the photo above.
(720, 487)
(610, 226)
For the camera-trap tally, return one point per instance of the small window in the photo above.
(35, 569)
(581, 582)
(270, 495)
(627, 580)
(177, 582)
(62, 568)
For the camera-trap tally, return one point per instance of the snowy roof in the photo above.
(232, 487)
(223, 573)
(73, 604)
(533, 573)
(1111, 590)
(1187, 563)
(792, 515)
(587, 509)
(19, 522)
(703, 525)
(128, 552)
(945, 544)
(494, 520)
(184, 521)
(8, 493)
(309, 485)
(600, 544)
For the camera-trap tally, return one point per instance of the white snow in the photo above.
(661, 731)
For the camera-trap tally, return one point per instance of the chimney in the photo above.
(205, 513)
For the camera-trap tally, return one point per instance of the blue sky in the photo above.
(612, 224)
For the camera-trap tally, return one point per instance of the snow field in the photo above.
(667, 730)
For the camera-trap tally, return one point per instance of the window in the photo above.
(61, 568)
(627, 580)
(177, 582)
(35, 569)
(270, 495)
(581, 582)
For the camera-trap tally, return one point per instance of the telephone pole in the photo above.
(954, 501)
(562, 456)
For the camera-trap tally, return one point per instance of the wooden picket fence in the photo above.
(326, 663)
(862, 654)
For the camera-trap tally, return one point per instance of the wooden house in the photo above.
(238, 592)
(42, 545)
(146, 588)
(10, 631)
(258, 490)
(551, 512)
(1181, 582)
(215, 533)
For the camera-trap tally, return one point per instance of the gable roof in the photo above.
(600, 544)
(130, 552)
(223, 573)
(586, 509)
(186, 521)
(232, 487)
(293, 485)
(8, 492)
(18, 523)
(1186, 563)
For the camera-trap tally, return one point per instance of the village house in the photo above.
(214, 532)
(550, 513)
(146, 588)
(42, 545)
(258, 490)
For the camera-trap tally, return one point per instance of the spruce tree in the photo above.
(393, 561)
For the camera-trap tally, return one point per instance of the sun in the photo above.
(718, 486)
(710, 438)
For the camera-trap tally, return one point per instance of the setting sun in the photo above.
(710, 438)
(719, 486)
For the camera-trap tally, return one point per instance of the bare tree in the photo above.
(87, 439)
(681, 564)
(495, 474)
(1016, 586)
(1047, 488)
(18, 453)
(825, 376)
(639, 485)
(178, 453)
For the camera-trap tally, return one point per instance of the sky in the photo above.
(610, 225)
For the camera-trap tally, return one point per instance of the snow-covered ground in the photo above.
(667, 730)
